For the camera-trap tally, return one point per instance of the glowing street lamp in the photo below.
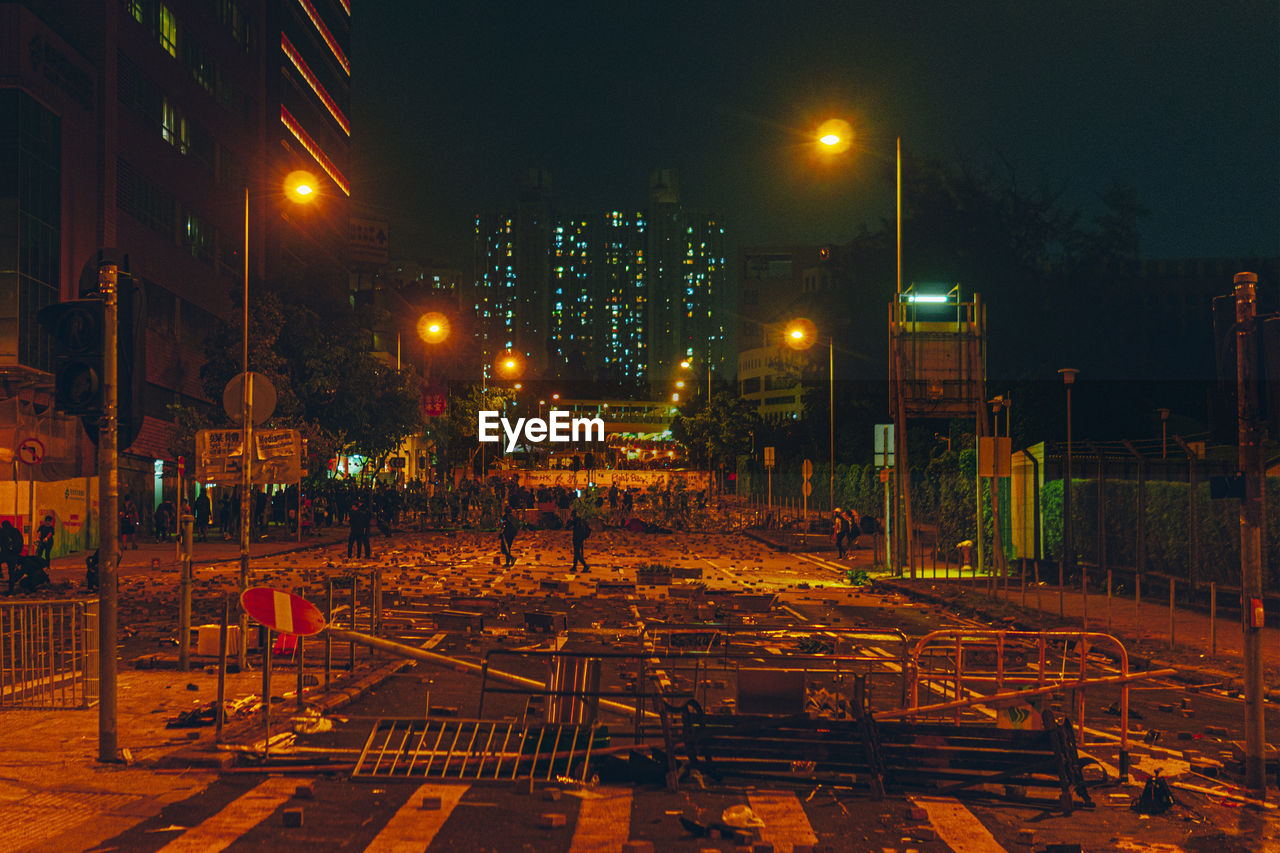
(800, 334)
(433, 327)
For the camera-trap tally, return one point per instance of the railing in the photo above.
(49, 654)
(981, 668)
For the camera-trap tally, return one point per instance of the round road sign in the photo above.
(31, 451)
(282, 611)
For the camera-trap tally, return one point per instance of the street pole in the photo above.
(108, 517)
(831, 375)
(1255, 771)
(1068, 545)
(184, 593)
(247, 457)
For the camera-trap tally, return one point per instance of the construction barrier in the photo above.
(49, 654)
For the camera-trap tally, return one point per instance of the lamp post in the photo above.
(300, 187)
(836, 136)
(1068, 543)
(800, 334)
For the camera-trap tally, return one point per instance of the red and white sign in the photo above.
(282, 611)
(31, 451)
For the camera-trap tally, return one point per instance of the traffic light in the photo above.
(76, 329)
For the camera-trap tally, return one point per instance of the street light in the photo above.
(800, 335)
(1068, 545)
(836, 136)
(300, 187)
(1164, 433)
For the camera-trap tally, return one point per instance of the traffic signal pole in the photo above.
(1251, 518)
(108, 518)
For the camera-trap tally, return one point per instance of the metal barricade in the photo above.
(967, 669)
(49, 654)
(824, 655)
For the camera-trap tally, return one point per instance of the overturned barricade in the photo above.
(730, 703)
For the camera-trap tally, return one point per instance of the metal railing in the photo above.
(49, 654)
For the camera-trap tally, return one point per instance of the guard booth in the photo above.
(937, 369)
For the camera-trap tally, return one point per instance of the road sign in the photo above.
(768, 457)
(31, 451)
(806, 488)
(883, 446)
(283, 612)
(807, 469)
(262, 403)
(994, 456)
(277, 456)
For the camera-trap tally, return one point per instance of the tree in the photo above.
(715, 434)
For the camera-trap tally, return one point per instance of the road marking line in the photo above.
(219, 831)
(785, 823)
(957, 827)
(604, 823)
(412, 828)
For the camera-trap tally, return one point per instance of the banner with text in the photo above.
(624, 479)
(277, 456)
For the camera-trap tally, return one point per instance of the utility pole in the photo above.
(1255, 771)
(108, 516)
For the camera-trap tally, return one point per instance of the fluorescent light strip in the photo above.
(346, 6)
(326, 35)
(314, 150)
(924, 298)
(314, 83)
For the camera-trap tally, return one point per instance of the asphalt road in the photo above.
(428, 574)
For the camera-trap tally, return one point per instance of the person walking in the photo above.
(839, 529)
(579, 530)
(203, 511)
(128, 524)
(507, 530)
(44, 539)
(11, 550)
(853, 524)
(358, 521)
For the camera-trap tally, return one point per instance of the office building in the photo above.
(139, 126)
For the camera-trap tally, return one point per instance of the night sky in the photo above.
(452, 101)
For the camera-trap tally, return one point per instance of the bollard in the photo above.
(184, 595)
(220, 711)
(1023, 579)
(1108, 601)
(1035, 567)
(1084, 592)
(1170, 613)
(301, 670)
(266, 693)
(1213, 618)
(328, 640)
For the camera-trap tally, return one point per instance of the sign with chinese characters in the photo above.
(368, 240)
(433, 399)
(277, 456)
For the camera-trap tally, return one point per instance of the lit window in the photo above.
(167, 30)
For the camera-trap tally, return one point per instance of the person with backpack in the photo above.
(579, 530)
(839, 530)
(507, 529)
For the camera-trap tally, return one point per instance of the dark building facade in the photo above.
(143, 126)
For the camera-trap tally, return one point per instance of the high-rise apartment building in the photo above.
(619, 294)
(142, 125)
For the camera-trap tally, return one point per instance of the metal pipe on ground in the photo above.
(401, 650)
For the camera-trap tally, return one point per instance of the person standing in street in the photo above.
(44, 539)
(839, 528)
(507, 530)
(203, 511)
(358, 521)
(128, 524)
(579, 530)
(11, 550)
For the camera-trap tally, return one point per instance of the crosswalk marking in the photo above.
(240, 815)
(785, 824)
(957, 827)
(412, 828)
(604, 822)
